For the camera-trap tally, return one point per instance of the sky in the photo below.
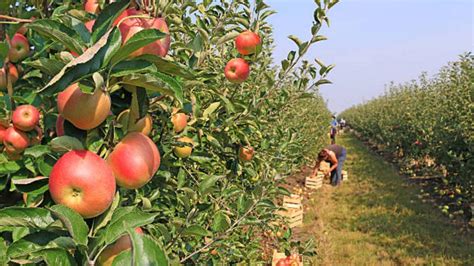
(374, 42)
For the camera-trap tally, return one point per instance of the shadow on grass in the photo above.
(384, 205)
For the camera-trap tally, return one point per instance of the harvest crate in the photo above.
(324, 166)
(278, 256)
(294, 216)
(292, 201)
(314, 182)
(345, 175)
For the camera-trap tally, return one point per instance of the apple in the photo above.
(130, 26)
(134, 160)
(89, 24)
(19, 48)
(143, 125)
(246, 153)
(15, 140)
(247, 42)
(3, 130)
(82, 181)
(92, 6)
(180, 121)
(185, 151)
(237, 70)
(85, 111)
(25, 117)
(60, 126)
(12, 75)
(214, 252)
(107, 256)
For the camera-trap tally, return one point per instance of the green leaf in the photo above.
(27, 217)
(46, 65)
(124, 258)
(65, 144)
(3, 252)
(106, 19)
(134, 218)
(37, 242)
(159, 82)
(169, 67)
(58, 32)
(206, 185)
(31, 184)
(145, 251)
(138, 40)
(322, 81)
(105, 218)
(56, 257)
(229, 36)
(132, 66)
(196, 230)
(210, 109)
(4, 47)
(74, 223)
(9, 167)
(295, 40)
(221, 222)
(37, 151)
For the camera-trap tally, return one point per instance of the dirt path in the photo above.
(376, 218)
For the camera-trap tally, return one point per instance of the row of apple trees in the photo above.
(214, 192)
(427, 125)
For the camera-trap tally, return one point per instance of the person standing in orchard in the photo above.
(335, 155)
(333, 130)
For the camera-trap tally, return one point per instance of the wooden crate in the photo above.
(293, 201)
(294, 216)
(324, 166)
(278, 256)
(314, 182)
(345, 175)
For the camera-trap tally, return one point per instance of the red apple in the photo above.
(82, 181)
(237, 70)
(3, 130)
(84, 110)
(89, 24)
(92, 6)
(107, 256)
(180, 121)
(15, 140)
(128, 27)
(247, 42)
(25, 117)
(134, 160)
(19, 48)
(12, 75)
(185, 151)
(246, 153)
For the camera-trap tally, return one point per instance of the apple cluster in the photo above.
(18, 50)
(22, 131)
(237, 70)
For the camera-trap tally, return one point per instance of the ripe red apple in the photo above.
(134, 160)
(246, 153)
(15, 140)
(82, 181)
(180, 121)
(237, 70)
(92, 6)
(25, 117)
(185, 151)
(85, 111)
(3, 130)
(19, 48)
(130, 26)
(12, 75)
(110, 252)
(89, 24)
(247, 42)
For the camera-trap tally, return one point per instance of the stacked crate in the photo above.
(314, 182)
(345, 175)
(293, 210)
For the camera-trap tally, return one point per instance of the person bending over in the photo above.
(335, 155)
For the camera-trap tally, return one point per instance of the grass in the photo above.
(376, 218)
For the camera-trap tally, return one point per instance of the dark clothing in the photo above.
(336, 149)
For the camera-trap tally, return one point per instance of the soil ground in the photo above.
(377, 218)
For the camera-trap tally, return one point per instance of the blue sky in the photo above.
(373, 42)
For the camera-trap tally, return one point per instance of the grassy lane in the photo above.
(376, 219)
